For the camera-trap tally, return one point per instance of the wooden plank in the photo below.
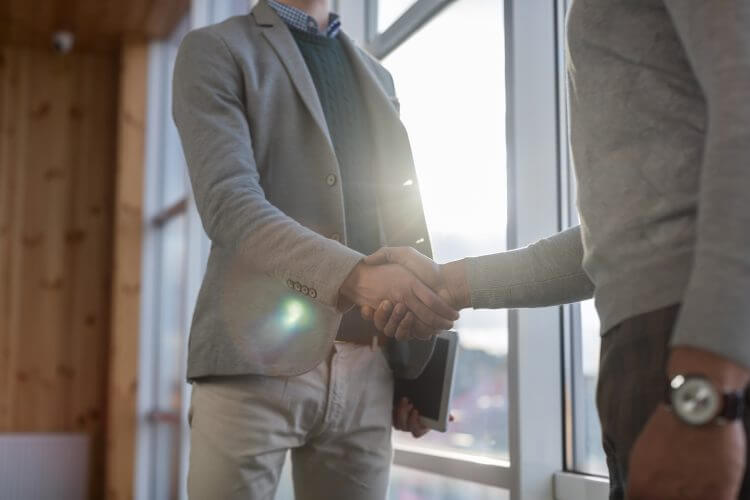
(93, 112)
(45, 286)
(123, 374)
(8, 133)
(18, 91)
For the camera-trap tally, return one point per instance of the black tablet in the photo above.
(430, 393)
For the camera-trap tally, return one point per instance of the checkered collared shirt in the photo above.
(302, 21)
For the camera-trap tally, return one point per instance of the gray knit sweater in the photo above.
(660, 134)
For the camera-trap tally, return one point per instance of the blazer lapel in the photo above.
(388, 132)
(400, 208)
(280, 38)
(379, 102)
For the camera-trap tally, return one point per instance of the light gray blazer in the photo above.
(265, 178)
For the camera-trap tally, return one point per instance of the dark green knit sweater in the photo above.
(349, 126)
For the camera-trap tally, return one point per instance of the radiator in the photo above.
(43, 466)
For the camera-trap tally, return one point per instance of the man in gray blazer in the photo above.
(299, 166)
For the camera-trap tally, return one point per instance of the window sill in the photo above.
(570, 486)
(486, 471)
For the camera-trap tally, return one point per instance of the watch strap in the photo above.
(734, 404)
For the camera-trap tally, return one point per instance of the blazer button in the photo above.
(336, 237)
(305, 290)
(313, 293)
(331, 180)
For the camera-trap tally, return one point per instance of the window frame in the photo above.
(544, 344)
(156, 218)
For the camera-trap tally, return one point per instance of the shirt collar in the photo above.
(302, 21)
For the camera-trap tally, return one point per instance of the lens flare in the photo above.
(292, 314)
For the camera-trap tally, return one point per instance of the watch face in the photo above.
(695, 400)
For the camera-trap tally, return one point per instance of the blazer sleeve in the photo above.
(547, 273)
(210, 114)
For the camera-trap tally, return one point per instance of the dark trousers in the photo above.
(632, 378)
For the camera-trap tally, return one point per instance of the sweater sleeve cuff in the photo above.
(487, 291)
(715, 316)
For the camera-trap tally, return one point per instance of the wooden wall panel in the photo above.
(57, 154)
(126, 287)
(99, 25)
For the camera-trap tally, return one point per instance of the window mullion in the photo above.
(405, 26)
(535, 343)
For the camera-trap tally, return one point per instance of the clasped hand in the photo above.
(406, 294)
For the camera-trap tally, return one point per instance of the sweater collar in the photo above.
(302, 21)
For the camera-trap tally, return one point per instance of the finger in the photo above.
(379, 257)
(425, 314)
(383, 314)
(404, 329)
(397, 409)
(415, 425)
(422, 331)
(395, 418)
(395, 320)
(367, 313)
(403, 414)
(434, 302)
(420, 265)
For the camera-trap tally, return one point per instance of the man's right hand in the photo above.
(448, 281)
(370, 285)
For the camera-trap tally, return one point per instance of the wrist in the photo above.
(349, 290)
(454, 274)
(726, 375)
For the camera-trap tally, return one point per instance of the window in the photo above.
(390, 10)
(164, 302)
(594, 461)
(450, 78)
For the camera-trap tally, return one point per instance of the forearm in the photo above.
(546, 273)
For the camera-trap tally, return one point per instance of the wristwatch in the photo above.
(696, 401)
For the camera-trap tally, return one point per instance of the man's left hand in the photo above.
(406, 418)
(672, 460)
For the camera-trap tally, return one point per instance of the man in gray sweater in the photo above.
(660, 134)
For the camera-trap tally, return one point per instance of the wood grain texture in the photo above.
(97, 24)
(126, 286)
(57, 153)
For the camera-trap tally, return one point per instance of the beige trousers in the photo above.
(335, 419)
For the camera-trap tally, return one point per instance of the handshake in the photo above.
(407, 295)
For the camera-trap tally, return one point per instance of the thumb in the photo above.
(379, 257)
(367, 312)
